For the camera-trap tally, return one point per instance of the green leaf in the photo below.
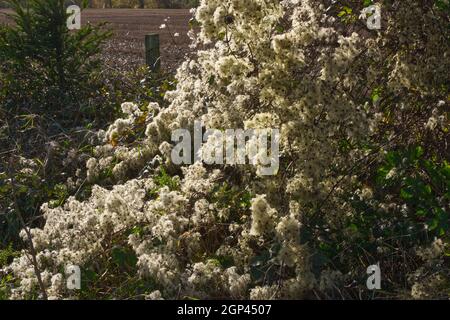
(405, 194)
(433, 224)
(418, 152)
(376, 95)
(123, 257)
(345, 11)
(280, 29)
(421, 213)
(214, 262)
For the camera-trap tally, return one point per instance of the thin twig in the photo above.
(30, 240)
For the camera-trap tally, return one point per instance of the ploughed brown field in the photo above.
(125, 50)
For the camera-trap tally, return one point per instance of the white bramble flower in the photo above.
(262, 216)
(155, 295)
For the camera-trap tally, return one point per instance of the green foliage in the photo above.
(163, 179)
(120, 267)
(28, 193)
(124, 258)
(347, 15)
(234, 199)
(5, 283)
(60, 194)
(422, 184)
(6, 256)
(443, 5)
(227, 196)
(43, 63)
(419, 186)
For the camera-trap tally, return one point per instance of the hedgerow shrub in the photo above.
(46, 130)
(42, 153)
(363, 170)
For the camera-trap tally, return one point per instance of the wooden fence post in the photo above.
(152, 52)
